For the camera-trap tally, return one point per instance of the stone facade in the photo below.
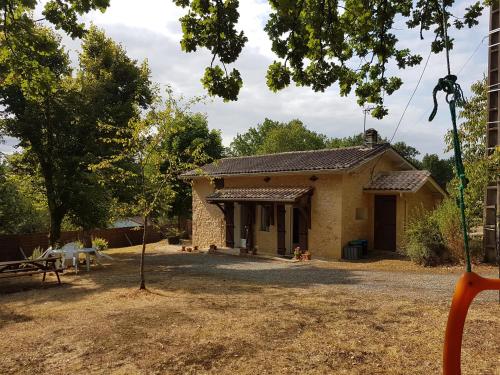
(340, 210)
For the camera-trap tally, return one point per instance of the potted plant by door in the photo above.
(297, 253)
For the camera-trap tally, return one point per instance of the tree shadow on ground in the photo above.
(178, 272)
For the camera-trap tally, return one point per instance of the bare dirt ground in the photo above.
(224, 314)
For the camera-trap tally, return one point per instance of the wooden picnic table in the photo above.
(30, 267)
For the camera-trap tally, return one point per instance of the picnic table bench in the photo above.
(30, 267)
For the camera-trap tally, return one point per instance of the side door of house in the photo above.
(280, 223)
(385, 222)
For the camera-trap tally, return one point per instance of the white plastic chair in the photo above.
(70, 254)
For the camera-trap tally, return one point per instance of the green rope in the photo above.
(454, 98)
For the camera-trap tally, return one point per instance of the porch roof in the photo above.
(399, 181)
(283, 194)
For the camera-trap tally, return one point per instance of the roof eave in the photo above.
(277, 173)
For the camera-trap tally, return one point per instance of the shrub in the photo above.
(37, 253)
(99, 243)
(447, 216)
(423, 243)
(436, 237)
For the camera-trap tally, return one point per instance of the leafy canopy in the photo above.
(480, 167)
(274, 136)
(67, 121)
(322, 42)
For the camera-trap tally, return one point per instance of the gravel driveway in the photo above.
(425, 285)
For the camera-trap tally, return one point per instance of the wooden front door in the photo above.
(247, 223)
(300, 229)
(385, 222)
(280, 221)
(229, 217)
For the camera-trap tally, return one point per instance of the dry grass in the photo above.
(192, 322)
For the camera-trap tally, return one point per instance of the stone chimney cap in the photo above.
(371, 137)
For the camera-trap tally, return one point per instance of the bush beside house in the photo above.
(436, 237)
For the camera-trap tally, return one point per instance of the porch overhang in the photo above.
(401, 182)
(278, 194)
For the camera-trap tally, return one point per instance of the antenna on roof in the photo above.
(366, 110)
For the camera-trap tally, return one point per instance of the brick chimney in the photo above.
(371, 138)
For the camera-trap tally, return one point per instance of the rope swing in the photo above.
(469, 284)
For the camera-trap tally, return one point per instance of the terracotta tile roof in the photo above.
(287, 194)
(399, 180)
(318, 160)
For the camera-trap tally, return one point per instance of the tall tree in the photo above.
(350, 141)
(192, 141)
(478, 166)
(293, 136)
(410, 153)
(68, 121)
(274, 136)
(319, 43)
(162, 146)
(248, 143)
(441, 169)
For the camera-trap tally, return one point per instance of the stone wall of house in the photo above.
(340, 210)
(358, 206)
(208, 221)
(325, 233)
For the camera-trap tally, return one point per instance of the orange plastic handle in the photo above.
(468, 286)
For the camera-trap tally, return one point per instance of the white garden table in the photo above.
(75, 254)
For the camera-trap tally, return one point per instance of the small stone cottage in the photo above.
(317, 200)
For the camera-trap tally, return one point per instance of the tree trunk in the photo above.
(144, 233)
(86, 238)
(56, 218)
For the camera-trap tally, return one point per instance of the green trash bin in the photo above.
(363, 244)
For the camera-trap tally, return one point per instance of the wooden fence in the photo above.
(11, 245)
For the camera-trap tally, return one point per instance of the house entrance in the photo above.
(246, 225)
(281, 228)
(299, 229)
(385, 222)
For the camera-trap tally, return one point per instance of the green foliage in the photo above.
(408, 152)
(193, 143)
(62, 14)
(164, 143)
(99, 243)
(67, 122)
(435, 237)
(351, 141)
(211, 24)
(273, 136)
(292, 136)
(23, 208)
(227, 86)
(479, 167)
(320, 43)
(423, 243)
(441, 169)
(248, 143)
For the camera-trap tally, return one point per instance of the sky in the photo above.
(152, 31)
